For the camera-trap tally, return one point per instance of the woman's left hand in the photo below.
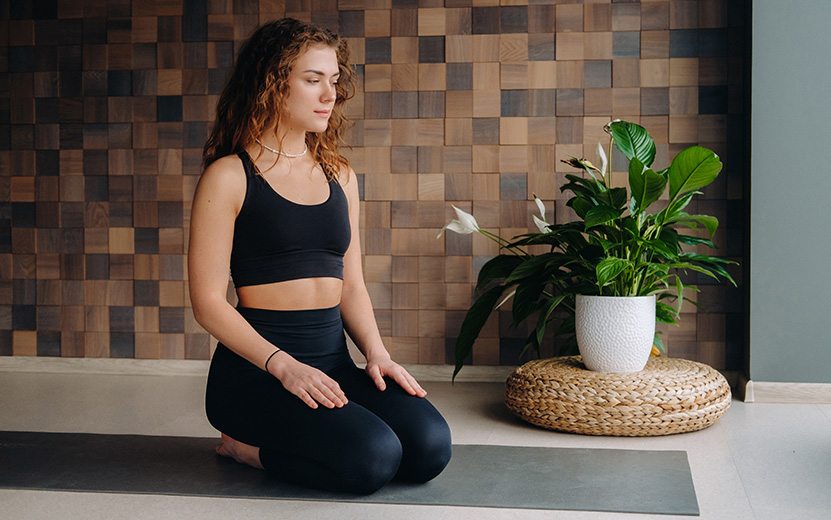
(387, 367)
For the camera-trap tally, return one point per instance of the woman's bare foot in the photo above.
(242, 453)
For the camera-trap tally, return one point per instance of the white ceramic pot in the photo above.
(615, 333)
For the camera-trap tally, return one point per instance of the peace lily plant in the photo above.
(615, 248)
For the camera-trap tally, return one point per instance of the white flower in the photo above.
(541, 207)
(506, 298)
(601, 158)
(464, 224)
(542, 225)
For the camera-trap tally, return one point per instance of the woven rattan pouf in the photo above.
(667, 396)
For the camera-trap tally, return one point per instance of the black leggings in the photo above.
(358, 448)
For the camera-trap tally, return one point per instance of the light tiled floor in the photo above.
(761, 461)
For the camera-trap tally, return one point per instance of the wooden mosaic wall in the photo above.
(105, 105)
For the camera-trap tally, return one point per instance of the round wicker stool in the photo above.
(667, 396)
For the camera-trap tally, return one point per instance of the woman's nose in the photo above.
(330, 92)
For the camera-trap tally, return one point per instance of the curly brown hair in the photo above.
(254, 98)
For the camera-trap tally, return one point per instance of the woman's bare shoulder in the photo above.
(225, 169)
(347, 178)
(225, 174)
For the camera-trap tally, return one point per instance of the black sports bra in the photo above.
(277, 240)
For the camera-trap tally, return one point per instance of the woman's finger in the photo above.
(307, 398)
(409, 384)
(378, 378)
(322, 398)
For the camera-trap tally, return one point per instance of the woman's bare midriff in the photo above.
(293, 295)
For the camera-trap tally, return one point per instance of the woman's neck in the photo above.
(291, 143)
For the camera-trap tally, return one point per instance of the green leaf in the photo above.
(475, 319)
(591, 184)
(610, 268)
(600, 215)
(694, 241)
(526, 298)
(658, 343)
(615, 197)
(662, 246)
(709, 222)
(691, 169)
(497, 268)
(646, 185)
(529, 267)
(633, 141)
(545, 313)
(673, 211)
(580, 206)
(665, 313)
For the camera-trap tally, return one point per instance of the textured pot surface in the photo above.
(615, 333)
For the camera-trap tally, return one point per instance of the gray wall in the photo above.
(790, 241)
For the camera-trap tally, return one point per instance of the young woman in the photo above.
(278, 206)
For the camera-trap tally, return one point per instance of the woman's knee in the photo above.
(428, 453)
(375, 464)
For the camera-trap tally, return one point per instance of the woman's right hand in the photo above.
(311, 385)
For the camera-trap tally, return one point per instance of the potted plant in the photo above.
(615, 248)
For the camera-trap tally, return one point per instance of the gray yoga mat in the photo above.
(629, 481)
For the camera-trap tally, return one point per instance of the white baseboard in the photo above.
(788, 393)
(110, 366)
(199, 368)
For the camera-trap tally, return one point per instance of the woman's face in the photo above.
(312, 93)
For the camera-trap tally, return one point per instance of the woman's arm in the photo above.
(217, 203)
(356, 308)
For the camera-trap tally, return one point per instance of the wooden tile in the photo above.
(431, 186)
(430, 132)
(655, 44)
(626, 17)
(486, 103)
(513, 48)
(513, 130)
(683, 129)
(486, 48)
(486, 76)
(541, 47)
(570, 46)
(403, 132)
(458, 21)
(459, 104)
(570, 74)
(377, 22)
(713, 13)
(404, 296)
(485, 159)
(683, 15)
(541, 130)
(655, 15)
(404, 22)
(404, 50)
(404, 77)
(431, 22)
(569, 18)
(597, 17)
(654, 73)
(431, 76)
(24, 343)
(625, 72)
(542, 74)
(459, 48)
(404, 349)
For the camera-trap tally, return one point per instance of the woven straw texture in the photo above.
(667, 396)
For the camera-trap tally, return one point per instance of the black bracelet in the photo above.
(269, 359)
